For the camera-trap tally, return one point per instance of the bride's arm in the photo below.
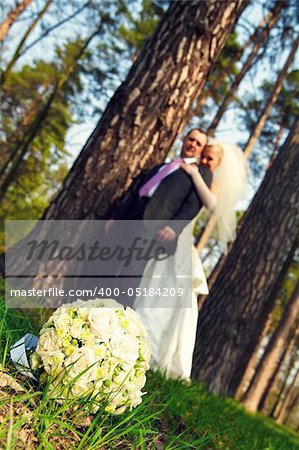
(206, 195)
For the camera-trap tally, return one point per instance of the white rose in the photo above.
(76, 331)
(145, 349)
(134, 398)
(47, 342)
(79, 388)
(63, 320)
(135, 325)
(124, 346)
(81, 359)
(103, 322)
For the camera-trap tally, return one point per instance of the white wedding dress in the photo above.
(171, 330)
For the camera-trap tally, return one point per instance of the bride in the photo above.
(172, 329)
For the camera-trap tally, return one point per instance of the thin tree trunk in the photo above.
(279, 5)
(207, 231)
(228, 98)
(271, 100)
(276, 145)
(234, 315)
(275, 411)
(23, 148)
(12, 17)
(227, 70)
(22, 42)
(274, 295)
(54, 27)
(149, 109)
(272, 354)
(288, 401)
(265, 404)
(250, 369)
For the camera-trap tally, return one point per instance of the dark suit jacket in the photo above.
(175, 199)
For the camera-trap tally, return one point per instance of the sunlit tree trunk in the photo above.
(227, 70)
(247, 379)
(149, 109)
(272, 354)
(12, 17)
(271, 100)
(22, 147)
(234, 315)
(267, 404)
(22, 42)
(254, 135)
(289, 400)
(279, 5)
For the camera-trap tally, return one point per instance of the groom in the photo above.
(166, 193)
(159, 206)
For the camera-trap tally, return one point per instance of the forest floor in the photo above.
(173, 414)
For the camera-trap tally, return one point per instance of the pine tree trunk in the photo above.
(279, 5)
(275, 411)
(149, 109)
(22, 42)
(227, 70)
(276, 145)
(234, 315)
(266, 405)
(240, 394)
(288, 401)
(251, 366)
(272, 354)
(22, 148)
(271, 101)
(12, 17)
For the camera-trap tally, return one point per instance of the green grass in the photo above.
(173, 415)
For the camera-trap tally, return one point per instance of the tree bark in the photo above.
(271, 100)
(12, 17)
(234, 314)
(272, 354)
(279, 5)
(147, 111)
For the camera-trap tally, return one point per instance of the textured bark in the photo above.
(272, 354)
(149, 109)
(260, 39)
(271, 100)
(234, 315)
(12, 17)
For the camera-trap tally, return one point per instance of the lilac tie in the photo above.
(155, 180)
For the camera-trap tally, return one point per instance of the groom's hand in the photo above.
(166, 234)
(108, 225)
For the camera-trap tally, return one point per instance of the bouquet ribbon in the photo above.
(19, 354)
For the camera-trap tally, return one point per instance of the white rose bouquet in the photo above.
(94, 348)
